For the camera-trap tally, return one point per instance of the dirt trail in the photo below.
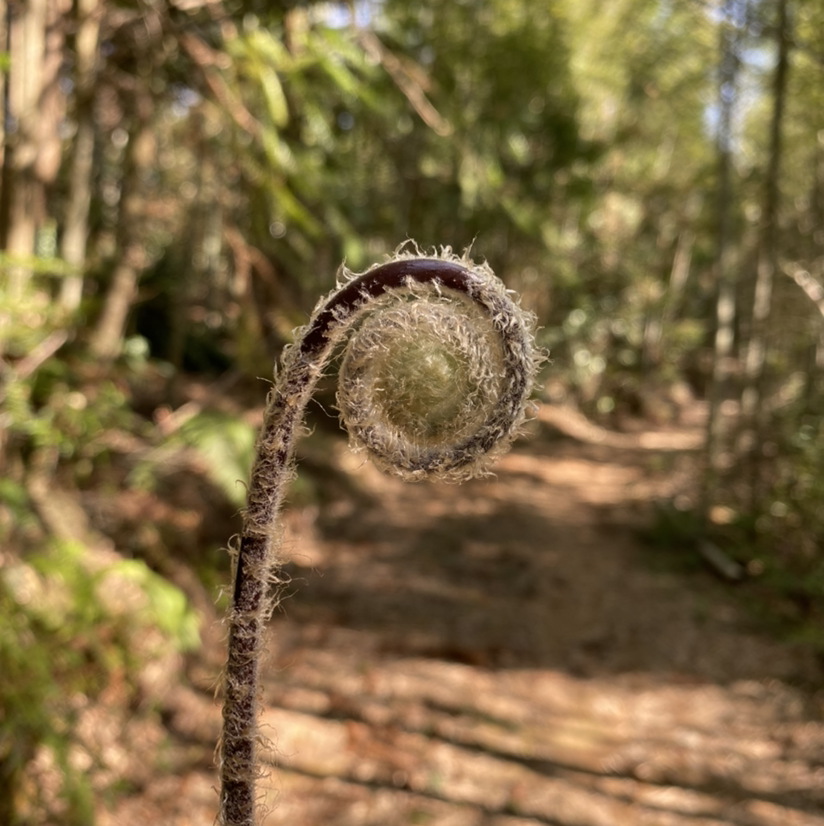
(502, 654)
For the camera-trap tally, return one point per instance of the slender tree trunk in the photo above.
(51, 105)
(725, 303)
(654, 336)
(680, 272)
(24, 192)
(754, 418)
(4, 47)
(35, 109)
(814, 377)
(76, 220)
(4, 157)
(108, 335)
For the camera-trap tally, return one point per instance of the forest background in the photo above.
(181, 180)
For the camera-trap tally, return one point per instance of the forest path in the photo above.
(504, 653)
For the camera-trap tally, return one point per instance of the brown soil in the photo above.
(503, 653)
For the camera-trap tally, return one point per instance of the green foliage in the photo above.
(69, 623)
(60, 410)
(37, 264)
(225, 444)
(17, 515)
(790, 522)
(58, 404)
(67, 628)
(574, 148)
(777, 539)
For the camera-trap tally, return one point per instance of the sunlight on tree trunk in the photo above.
(76, 225)
(677, 282)
(753, 416)
(4, 46)
(725, 273)
(132, 260)
(27, 44)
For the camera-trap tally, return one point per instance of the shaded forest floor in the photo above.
(504, 653)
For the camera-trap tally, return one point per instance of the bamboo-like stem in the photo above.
(257, 564)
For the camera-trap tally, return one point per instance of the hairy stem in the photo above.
(407, 281)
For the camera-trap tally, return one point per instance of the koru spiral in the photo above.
(434, 383)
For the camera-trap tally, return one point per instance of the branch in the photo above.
(404, 78)
(809, 283)
(41, 353)
(209, 61)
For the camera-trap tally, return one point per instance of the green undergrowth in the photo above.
(225, 445)
(77, 623)
(780, 573)
(70, 627)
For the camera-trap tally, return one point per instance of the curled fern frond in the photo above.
(434, 383)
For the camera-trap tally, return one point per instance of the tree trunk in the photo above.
(4, 47)
(654, 334)
(753, 418)
(725, 302)
(23, 191)
(76, 220)
(813, 284)
(108, 335)
(51, 106)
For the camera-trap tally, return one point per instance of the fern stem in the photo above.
(406, 278)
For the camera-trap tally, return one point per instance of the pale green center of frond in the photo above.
(421, 388)
(417, 376)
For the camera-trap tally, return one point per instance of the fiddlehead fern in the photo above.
(434, 383)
